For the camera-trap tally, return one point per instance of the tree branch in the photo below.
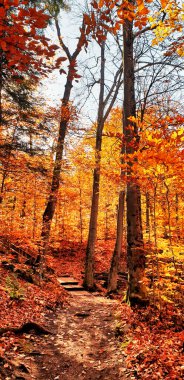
(149, 27)
(81, 42)
(62, 44)
(118, 73)
(149, 64)
(144, 30)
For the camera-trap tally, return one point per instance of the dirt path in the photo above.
(85, 346)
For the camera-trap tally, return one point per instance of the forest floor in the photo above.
(47, 334)
(85, 346)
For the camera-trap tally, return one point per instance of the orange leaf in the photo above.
(164, 3)
(3, 45)
(141, 5)
(101, 3)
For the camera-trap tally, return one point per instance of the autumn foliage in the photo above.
(22, 45)
(151, 160)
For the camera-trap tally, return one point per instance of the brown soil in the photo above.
(84, 347)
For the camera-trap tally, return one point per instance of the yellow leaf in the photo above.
(174, 135)
(8, 180)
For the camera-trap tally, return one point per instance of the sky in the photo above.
(53, 86)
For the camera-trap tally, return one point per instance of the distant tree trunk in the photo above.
(2, 185)
(24, 206)
(6, 165)
(80, 213)
(63, 229)
(147, 213)
(177, 208)
(12, 211)
(89, 270)
(113, 274)
(136, 292)
(52, 201)
(106, 221)
(34, 210)
(31, 143)
(177, 215)
(23, 210)
(165, 221)
(56, 219)
(154, 216)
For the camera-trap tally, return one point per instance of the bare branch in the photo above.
(114, 84)
(62, 44)
(148, 28)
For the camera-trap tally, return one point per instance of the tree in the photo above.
(131, 14)
(105, 104)
(65, 117)
(24, 130)
(163, 75)
(113, 273)
(24, 52)
(135, 248)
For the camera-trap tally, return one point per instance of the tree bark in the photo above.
(6, 165)
(177, 215)
(1, 87)
(89, 266)
(147, 213)
(104, 108)
(34, 209)
(65, 117)
(80, 212)
(113, 274)
(136, 292)
(106, 235)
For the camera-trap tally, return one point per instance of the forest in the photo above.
(91, 189)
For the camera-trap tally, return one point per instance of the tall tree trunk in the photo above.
(52, 201)
(113, 274)
(89, 266)
(65, 117)
(104, 107)
(136, 292)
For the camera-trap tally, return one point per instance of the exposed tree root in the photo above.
(25, 328)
